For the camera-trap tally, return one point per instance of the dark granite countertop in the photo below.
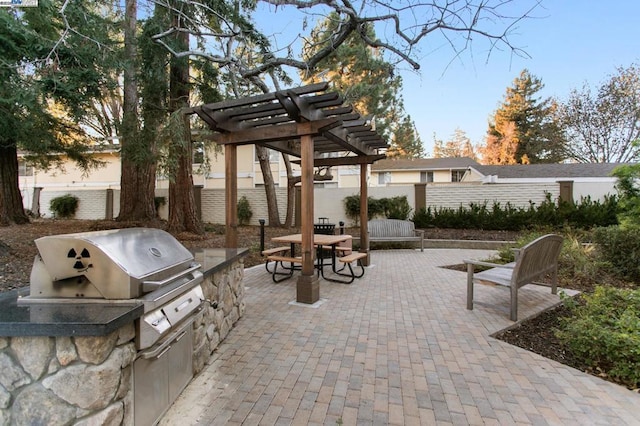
(63, 319)
(214, 259)
(89, 319)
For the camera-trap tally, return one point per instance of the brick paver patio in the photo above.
(395, 347)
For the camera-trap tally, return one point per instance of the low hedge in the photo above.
(584, 215)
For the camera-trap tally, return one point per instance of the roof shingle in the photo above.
(573, 170)
(424, 164)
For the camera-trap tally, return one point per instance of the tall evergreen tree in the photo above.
(47, 88)
(358, 72)
(524, 128)
(366, 81)
(137, 179)
(405, 141)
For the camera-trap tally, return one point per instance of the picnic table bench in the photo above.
(394, 230)
(533, 262)
(285, 262)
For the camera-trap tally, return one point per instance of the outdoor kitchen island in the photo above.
(80, 362)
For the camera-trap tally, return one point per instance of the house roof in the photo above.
(573, 170)
(424, 164)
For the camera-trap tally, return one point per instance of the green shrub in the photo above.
(577, 262)
(507, 253)
(605, 332)
(375, 208)
(619, 247)
(629, 191)
(396, 207)
(585, 215)
(159, 202)
(244, 211)
(64, 206)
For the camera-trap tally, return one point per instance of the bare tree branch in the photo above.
(457, 21)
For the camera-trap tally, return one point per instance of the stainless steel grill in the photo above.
(142, 264)
(145, 264)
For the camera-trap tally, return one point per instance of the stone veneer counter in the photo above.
(73, 364)
(88, 319)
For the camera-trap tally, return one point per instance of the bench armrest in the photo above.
(489, 264)
(419, 232)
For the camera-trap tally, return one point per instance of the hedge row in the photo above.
(584, 215)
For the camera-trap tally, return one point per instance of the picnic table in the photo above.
(287, 255)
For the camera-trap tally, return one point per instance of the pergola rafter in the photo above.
(305, 122)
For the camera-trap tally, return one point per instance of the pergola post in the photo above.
(308, 285)
(231, 195)
(364, 215)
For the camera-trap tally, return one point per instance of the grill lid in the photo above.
(110, 264)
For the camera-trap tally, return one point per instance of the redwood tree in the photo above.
(137, 179)
(182, 207)
(47, 88)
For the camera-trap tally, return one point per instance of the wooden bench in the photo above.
(274, 251)
(347, 260)
(280, 259)
(394, 230)
(533, 262)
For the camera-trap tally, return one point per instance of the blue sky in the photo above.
(576, 42)
(570, 42)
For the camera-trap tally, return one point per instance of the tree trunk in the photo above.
(11, 208)
(269, 186)
(137, 181)
(182, 206)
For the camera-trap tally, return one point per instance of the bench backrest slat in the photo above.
(537, 259)
(391, 228)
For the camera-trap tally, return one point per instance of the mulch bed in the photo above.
(537, 335)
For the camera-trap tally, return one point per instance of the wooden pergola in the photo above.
(304, 122)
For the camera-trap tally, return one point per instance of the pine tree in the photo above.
(367, 82)
(406, 142)
(523, 129)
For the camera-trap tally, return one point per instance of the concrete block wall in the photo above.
(518, 195)
(91, 205)
(594, 189)
(329, 202)
(213, 204)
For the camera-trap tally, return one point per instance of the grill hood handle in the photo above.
(149, 286)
